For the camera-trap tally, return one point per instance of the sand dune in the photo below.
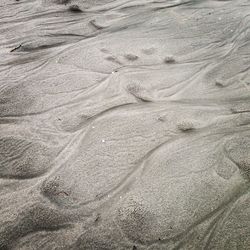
(124, 124)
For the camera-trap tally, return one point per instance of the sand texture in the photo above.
(124, 124)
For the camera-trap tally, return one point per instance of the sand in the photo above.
(124, 124)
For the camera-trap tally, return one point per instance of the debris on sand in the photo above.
(16, 48)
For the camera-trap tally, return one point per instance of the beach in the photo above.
(125, 124)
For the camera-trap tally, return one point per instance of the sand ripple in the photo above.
(124, 124)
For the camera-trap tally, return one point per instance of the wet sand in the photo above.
(124, 124)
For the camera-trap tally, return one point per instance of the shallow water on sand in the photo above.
(124, 124)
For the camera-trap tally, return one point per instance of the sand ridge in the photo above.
(124, 124)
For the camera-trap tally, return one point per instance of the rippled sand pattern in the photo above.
(124, 124)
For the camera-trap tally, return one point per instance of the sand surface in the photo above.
(124, 124)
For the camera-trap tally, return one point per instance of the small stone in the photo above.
(169, 59)
(185, 126)
(131, 57)
(74, 8)
(220, 83)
